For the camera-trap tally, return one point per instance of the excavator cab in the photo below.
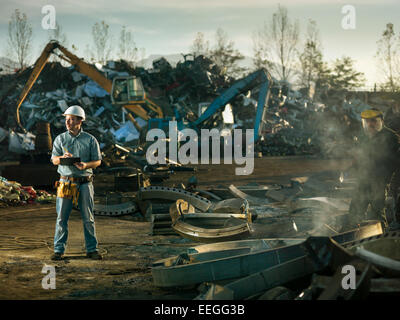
(129, 93)
(126, 90)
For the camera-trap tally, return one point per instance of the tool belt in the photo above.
(80, 180)
(68, 190)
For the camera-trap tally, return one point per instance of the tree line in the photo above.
(277, 46)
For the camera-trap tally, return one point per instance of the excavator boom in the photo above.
(258, 78)
(135, 106)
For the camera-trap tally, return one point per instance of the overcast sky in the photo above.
(169, 26)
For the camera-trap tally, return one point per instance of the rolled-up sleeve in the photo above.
(57, 149)
(95, 153)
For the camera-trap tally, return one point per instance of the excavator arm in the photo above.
(258, 78)
(136, 107)
(39, 65)
(79, 64)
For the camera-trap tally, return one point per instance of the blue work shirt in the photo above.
(83, 145)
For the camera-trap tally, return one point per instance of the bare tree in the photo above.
(225, 55)
(261, 58)
(200, 46)
(275, 45)
(388, 57)
(58, 35)
(311, 57)
(102, 40)
(20, 38)
(128, 50)
(142, 56)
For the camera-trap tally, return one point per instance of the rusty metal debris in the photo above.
(218, 265)
(233, 261)
(114, 210)
(173, 194)
(251, 244)
(209, 227)
(242, 195)
(295, 123)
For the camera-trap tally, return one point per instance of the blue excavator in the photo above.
(259, 79)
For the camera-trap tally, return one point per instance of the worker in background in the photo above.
(75, 185)
(392, 121)
(375, 161)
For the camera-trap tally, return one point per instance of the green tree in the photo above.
(344, 76)
(310, 60)
(322, 81)
(20, 38)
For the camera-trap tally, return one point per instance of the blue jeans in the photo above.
(64, 207)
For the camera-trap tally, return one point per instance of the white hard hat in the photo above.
(75, 111)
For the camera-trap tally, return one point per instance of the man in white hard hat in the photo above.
(75, 183)
(376, 160)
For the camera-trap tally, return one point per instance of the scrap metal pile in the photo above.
(221, 213)
(294, 124)
(283, 233)
(316, 268)
(271, 242)
(284, 250)
(13, 193)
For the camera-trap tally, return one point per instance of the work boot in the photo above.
(57, 256)
(95, 255)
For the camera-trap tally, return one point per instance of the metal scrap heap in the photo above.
(295, 124)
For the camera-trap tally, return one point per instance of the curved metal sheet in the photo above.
(252, 244)
(114, 209)
(242, 229)
(234, 263)
(252, 200)
(366, 229)
(174, 194)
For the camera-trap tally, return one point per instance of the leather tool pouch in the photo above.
(68, 190)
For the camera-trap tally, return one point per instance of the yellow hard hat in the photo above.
(371, 113)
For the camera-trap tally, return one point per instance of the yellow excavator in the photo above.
(127, 92)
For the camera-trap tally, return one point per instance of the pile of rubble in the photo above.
(285, 245)
(13, 193)
(295, 124)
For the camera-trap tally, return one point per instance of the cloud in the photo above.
(115, 7)
(171, 25)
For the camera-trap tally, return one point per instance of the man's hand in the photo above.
(56, 160)
(81, 165)
(67, 155)
(87, 165)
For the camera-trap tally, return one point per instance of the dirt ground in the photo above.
(26, 234)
